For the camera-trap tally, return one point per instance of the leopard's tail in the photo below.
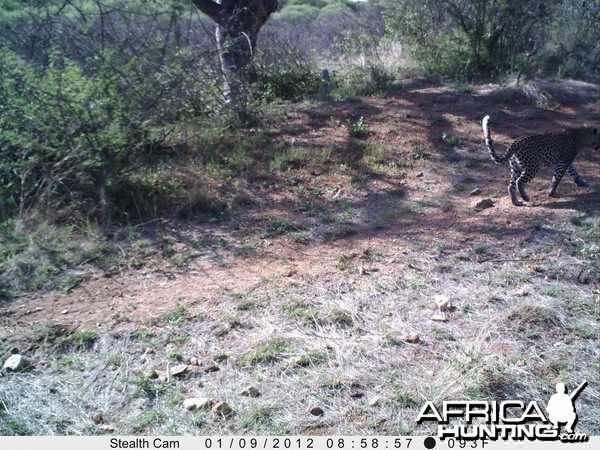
(490, 144)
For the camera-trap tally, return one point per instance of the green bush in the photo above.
(284, 81)
(358, 81)
(79, 118)
(578, 58)
(64, 134)
(463, 38)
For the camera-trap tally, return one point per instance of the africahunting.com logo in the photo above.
(510, 419)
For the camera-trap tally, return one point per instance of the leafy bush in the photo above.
(382, 80)
(574, 50)
(285, 81)
(358, 81)
(78, 118)
(64, 134)
(462, 38)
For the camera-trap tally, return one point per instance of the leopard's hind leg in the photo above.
(525, 177)
(515, 172)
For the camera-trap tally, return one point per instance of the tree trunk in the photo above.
(238, 24)
(233, 77)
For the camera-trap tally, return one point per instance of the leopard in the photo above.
(529, 153)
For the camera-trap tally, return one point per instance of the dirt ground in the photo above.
(340, 252)
(416, 116)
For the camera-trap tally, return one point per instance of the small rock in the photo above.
(65, 311)
(221, 357)
(222, 408)
(316, 411)
(439, 299)
(483, 204)
(357, 393)
(178, 371)
(431, 373)
(419, 175)
(197, 403)
(442, 317)
(16, 363)
(375, 401)
(161, 376)
(521, 292)
(475, 191)
(107, 428)
(583, 278)
(298, 361)
(97, 417)
(193, 361)
(250, 391)
(447, 306)
(443, 303)
(411, 338)
(178, 247)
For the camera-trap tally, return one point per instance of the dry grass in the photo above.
(345, 333)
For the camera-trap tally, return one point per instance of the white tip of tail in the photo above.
(485, 121)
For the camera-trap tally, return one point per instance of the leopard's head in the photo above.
(596, 134)
(586, 136)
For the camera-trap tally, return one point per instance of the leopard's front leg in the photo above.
(576, 177)
(558, 174)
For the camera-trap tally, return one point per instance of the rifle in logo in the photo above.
(561, 406)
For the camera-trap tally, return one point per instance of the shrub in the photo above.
(463, 38)
(64, 134)
(78, 118)
(285, 81)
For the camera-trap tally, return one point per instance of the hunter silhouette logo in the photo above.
(507, 419)
(561, 407)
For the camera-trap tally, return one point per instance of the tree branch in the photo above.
(211, 9)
